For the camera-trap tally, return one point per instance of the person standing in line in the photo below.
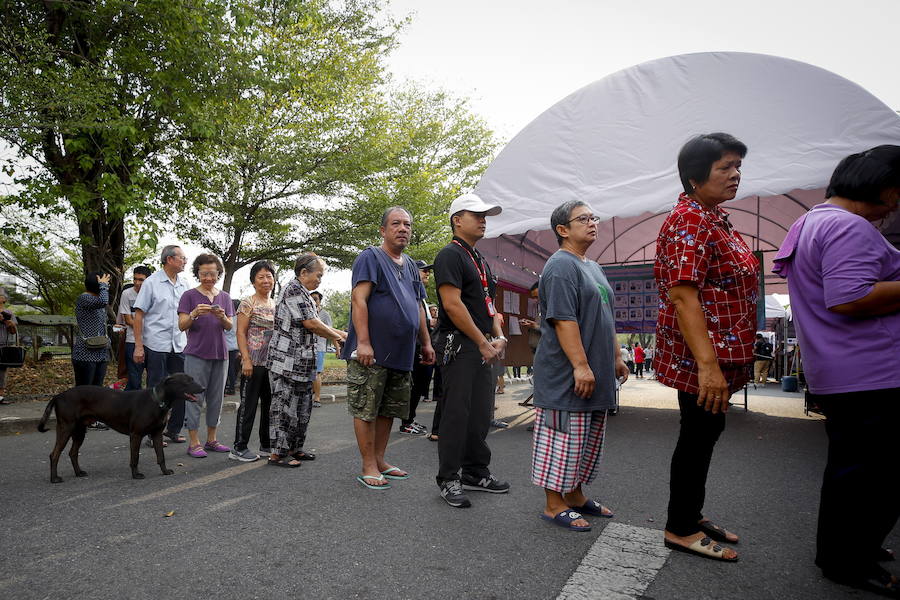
(421, 373)
(7, 330)
(205, 312)
(469, 342)
(575, 368)
(255, 325)
(844, 281)
(708, 282)
(231, 345)
(639, 358)
(126, 311)
(158, 341)
(291, 362)
(321, 347)
(762, 353)
(387, 315)
(89, 361)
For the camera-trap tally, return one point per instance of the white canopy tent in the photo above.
(614, 145)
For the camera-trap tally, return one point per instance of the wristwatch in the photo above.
(502, 337)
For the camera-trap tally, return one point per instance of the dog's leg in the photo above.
(63, 433)
(160, 455)
(135, 454)
(78, 433)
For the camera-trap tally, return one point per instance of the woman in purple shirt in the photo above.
(844, 282)
(205, 313)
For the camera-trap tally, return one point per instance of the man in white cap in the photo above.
(469, 339)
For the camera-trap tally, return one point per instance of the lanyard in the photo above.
(482, 272)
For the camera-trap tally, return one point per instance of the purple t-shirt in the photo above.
(206, 337)
(831, 256)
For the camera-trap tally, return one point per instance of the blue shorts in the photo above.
(320, 361)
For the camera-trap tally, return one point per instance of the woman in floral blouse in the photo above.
(255, 324)
(708, 280)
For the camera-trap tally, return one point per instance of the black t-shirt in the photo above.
(454, 266)
(763, 350)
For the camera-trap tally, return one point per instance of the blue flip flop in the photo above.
(387, 473)
(565, 520)
(594, 508)
(362, 480)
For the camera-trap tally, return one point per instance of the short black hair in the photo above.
(864, 176)
(534, 285)
(387, 212)
(207, 259)
(90, 282)
(316, 294)
(306, 261)
(562, 214)
(142, 270)
(697, 156)
(259, 266)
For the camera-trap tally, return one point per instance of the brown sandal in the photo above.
(703, 547)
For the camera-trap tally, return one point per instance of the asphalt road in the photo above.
(246, 530)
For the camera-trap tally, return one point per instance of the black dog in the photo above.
(136, 414)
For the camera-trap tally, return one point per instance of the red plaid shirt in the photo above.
(698, 245)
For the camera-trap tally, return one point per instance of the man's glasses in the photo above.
(585, 219)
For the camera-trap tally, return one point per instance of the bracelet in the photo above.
(502, 337)
(191, 315)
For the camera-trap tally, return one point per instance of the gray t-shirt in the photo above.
(575, 290)
(322, 343)
(126, 304)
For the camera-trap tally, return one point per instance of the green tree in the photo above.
(95, 94)
(53, 277)
(433, 149)
(338, 306)
(297, 133)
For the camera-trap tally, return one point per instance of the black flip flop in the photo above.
(301, 455)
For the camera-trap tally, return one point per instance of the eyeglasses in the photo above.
(585, 219)
(208, 274)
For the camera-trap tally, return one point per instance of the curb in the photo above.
(20, 425)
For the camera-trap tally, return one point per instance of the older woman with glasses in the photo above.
(575, 367)
(708, 280)
(205, 313)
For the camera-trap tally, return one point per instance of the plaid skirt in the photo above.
(567, 448)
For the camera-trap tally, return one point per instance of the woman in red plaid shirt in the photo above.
(708, 285)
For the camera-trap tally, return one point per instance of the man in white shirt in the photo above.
(158, 341)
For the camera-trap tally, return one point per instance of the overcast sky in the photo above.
(516, 58)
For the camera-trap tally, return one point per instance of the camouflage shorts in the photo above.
(377, 391)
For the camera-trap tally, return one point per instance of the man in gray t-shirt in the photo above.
(126, 310)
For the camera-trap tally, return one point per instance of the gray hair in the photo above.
(387, 212)
(562, 215)
(168, 252)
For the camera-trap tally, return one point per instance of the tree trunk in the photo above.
(103, 250)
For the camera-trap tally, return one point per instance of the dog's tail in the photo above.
(42, 426)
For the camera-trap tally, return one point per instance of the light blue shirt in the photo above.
(158, 299)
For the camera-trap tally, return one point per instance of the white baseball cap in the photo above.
(472, 203)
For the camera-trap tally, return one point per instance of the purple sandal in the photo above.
(196, 451)
(215, 446)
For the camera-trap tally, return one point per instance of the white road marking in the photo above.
(620, 565)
